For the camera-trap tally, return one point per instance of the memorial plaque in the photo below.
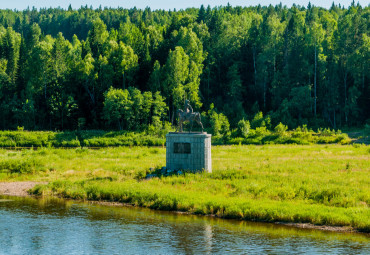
(182, 148)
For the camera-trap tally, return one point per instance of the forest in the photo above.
(130, 69)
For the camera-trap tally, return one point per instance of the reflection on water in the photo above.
(56, 226)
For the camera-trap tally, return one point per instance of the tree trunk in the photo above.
(169, 110)
(43, 81)
(345, 97)
(363, 76)
(335, 125)
(89, 92)
(315, 82)
(254, 66)
(274, 60)
(173, 110)
(310, 93)
(123, 81)
(264, 93)
(208, 85)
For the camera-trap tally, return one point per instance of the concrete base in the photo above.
(188, 151)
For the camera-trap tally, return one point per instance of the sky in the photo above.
(163, 4)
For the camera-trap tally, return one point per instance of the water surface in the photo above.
(56, 226)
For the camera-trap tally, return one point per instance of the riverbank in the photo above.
(296, 225)
(319, 185)
(17, 189)
(48, 219)
(20, 189)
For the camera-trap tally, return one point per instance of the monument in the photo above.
(188, 150)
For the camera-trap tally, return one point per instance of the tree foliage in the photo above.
(131, 68)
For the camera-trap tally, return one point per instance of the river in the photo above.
(57, 226)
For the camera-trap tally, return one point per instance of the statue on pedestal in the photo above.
(188, 115)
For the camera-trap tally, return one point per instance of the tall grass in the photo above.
(319, 184)
(74, 139)
(99, 138)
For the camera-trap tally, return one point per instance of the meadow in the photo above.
(318, 184)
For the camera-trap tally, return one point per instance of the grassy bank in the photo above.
(74, 139)
(100, 138)
(319, 184)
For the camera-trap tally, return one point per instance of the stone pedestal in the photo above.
(188, 151)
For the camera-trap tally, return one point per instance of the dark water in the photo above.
(53, 226)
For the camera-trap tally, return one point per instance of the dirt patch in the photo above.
(18, 189)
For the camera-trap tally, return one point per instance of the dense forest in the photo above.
(129, 69)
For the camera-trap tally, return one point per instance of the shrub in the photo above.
(218, 122)
(326, 132)
(236, 140)
(22, 166)
(7, 142)
(280, 129)
(243, 128)
(260, 121)
(257, 120)
(261, 131)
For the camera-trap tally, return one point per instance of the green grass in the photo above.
(74, 139)
(100, 138)
(318, 184)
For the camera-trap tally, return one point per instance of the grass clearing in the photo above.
(318, 184)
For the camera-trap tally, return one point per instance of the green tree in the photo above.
(124, 62)
(316, 36)
(10, 51)
(147, 107)
(176, 72)
(117, 107)
(193, 48)
(243, 128)
(159, 108)
(131, 35)
(155, 79)
(98, 35)
(137, 100)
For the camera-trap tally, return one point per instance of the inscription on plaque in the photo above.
(182, 148)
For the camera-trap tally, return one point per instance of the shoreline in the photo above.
(19, 189)
(344, 229)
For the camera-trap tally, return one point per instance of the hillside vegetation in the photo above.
(130, 69)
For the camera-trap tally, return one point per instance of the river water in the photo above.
(56, 226)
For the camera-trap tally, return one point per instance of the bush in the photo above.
(280, 129)
(243, 128)
(7, 142)
(218, 122)
(237, 140)
(257, 120)
(22, 166)
(326, 132)
(261, 131)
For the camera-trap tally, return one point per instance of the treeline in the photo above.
(131, 69)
